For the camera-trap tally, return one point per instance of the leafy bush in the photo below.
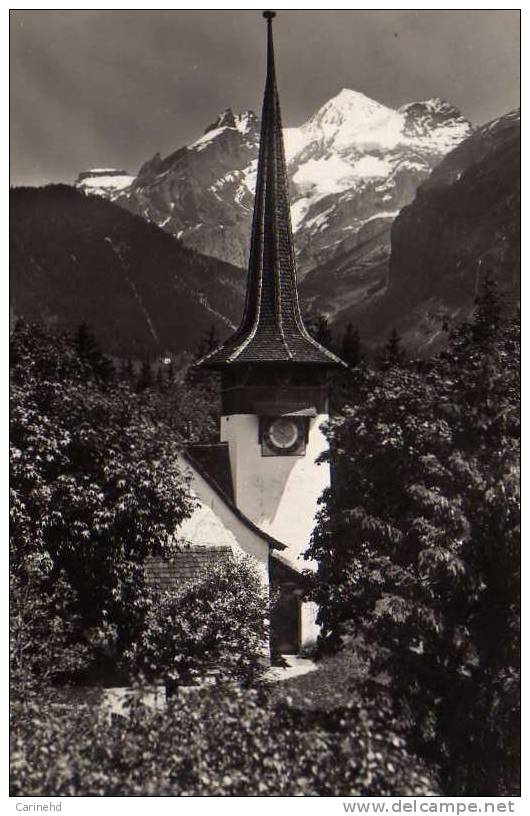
(225, 741)
(218, 621)
(43, 632)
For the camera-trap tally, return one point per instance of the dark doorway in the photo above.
(285, 622)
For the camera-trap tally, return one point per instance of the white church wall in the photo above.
(309, 628)
(278, 493)
(213, 523)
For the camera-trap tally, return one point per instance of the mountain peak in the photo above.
(349, 96)
(352, 118)
(435, 119)
(239, 121)
(435, 106)
(350, 103)
(225, 119)
(352, 165)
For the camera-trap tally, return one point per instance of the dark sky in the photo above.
(110, 88)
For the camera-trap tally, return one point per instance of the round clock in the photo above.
(283, 434)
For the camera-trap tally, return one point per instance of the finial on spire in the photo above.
(269, 15)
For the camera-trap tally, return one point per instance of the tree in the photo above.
(319, 328)
(200, 627)
(89, 352)
(145, 378)
(392, 353)
(351, 346)
(209, 342)
(418, 547)
(44, 629)
(95, 488)
(127, 371)
(161, 379)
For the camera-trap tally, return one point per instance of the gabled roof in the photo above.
(184, 565)
(212, 462)
(281, 568)
(272, 329)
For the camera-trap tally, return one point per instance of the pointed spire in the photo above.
(272, 329)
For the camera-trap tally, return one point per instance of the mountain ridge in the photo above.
(77, 258)
(353, 161)
(463, 224)
(71, 255)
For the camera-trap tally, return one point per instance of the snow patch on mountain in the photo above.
(209, 136)
(329, 174)
(250, 175)
(104, 181)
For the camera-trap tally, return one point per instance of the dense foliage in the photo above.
(218, 621)
(418, 582)
(95, 488)
(223, 741)
(418, 546)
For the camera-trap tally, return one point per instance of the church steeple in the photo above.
(272, 329)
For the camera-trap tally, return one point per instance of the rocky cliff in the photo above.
(464, 222)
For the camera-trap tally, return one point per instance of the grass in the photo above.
(332, 685)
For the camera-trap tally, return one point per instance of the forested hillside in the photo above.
(77, 258)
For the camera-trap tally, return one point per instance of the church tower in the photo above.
(274, 374)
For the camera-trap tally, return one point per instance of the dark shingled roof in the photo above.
(214, 460)
(272, 329)
(183, 566)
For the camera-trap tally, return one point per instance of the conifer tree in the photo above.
(89, 352)
(320, 329)
(209, 342)
(145, 378)
(129, 370)
(392, 353)
(351, 346)
(161, 382)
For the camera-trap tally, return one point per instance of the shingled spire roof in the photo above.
(272, 329)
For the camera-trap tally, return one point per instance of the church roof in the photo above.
(212, 462)
(272, 329)
(184, 565)
(193, 560)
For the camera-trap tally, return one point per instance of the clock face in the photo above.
(283, 433)
(284, 436)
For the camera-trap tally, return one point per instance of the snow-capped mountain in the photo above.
(104, 181)
(463, 224)
(356, 163)
(353, 165)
